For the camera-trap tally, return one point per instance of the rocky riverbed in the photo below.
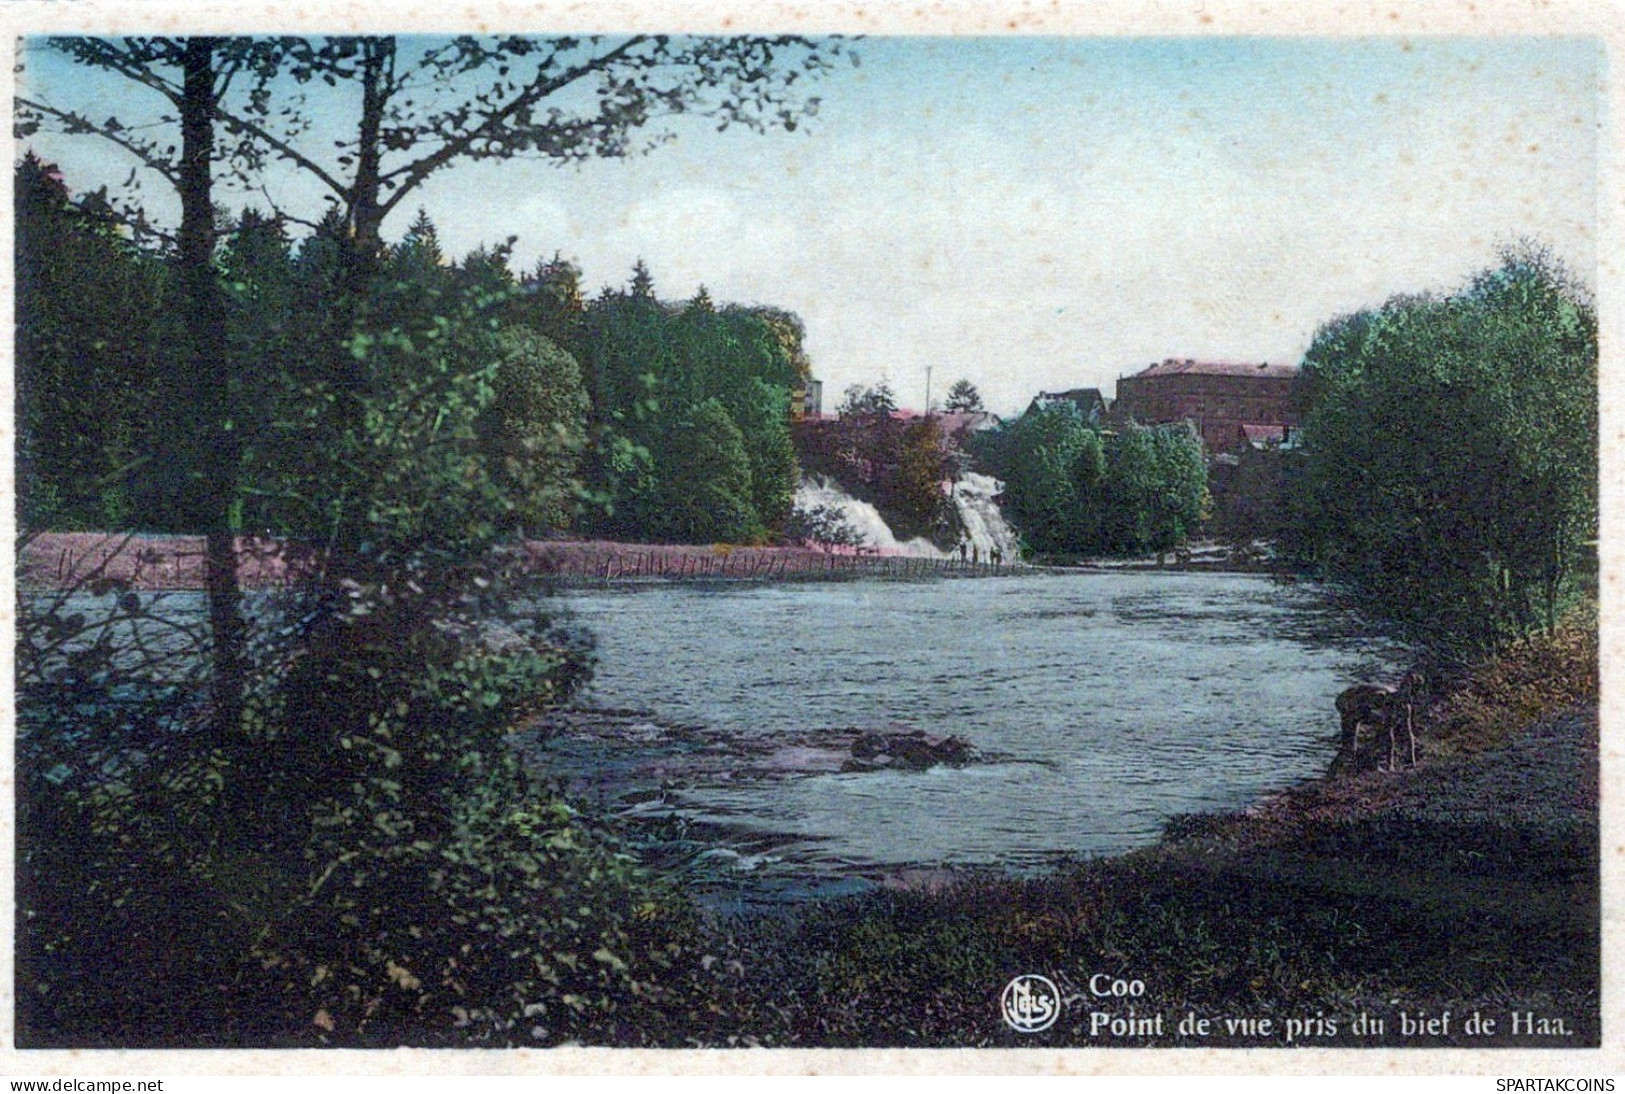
(640, 771)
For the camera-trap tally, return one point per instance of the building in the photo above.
(1090, 403)
(1233, 406)
(807, 401)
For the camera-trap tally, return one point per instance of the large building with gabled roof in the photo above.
(1232, 405)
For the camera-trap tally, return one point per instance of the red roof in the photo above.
(1173, 367)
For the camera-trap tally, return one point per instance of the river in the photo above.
(1098, 705)
(721, 717)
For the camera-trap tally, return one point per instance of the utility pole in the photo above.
(928, 391)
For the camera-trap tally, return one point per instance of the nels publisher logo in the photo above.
(1030, 1003)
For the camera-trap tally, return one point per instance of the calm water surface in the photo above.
(1103, 702)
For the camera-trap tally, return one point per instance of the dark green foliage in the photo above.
(416, 107)
(419, 249)
(822, 525)
(650, 368)
(1249, 495)
(868, 402)
(762, 411)
(533, 430)
(963, 398)
(1448, 482)
(1071, 490)
(269, 332)
(706, 496)
(362, 859)
(914, 498)
(365, 863)
(434, 889)
(341, 845)
(1155, 491)
(551, 303)
(93, 350)
(1052, 465)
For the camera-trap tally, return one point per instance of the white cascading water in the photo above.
(973, 495)
(864, 519)
(979, 515)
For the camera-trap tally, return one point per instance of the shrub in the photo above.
(533, 430)
(1531, 679)
(1449, 476)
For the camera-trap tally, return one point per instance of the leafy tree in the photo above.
(551, 302)
(363, 824)
(643, 283)
(1154, 495)
(649, 367)
(1052, 465)
(914, 497)
(427, 104)
(90, 365)
(421, 244)
(859, 401)
(1069, 489)
(706, 495)
(762, 411)
(534, 428)
(823, 525)
(625, 354)
(270, 334)
(1448, 480)
(332, 887)
(963, 398)
(789, 337)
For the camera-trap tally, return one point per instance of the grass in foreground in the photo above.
(1388, 896)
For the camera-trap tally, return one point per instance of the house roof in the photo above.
(952, 421)
(1076, 395)
(1088, 400)
(1263, 434)
(1188, 367)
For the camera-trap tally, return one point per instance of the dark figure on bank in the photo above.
(1379, 708)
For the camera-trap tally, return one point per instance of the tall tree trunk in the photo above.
(207, 378)
(366, 206)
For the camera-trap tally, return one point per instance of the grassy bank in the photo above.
(1468, 885)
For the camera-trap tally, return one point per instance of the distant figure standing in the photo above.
(963, 548)
(998, 556)
(975, 555)
(1380, 708)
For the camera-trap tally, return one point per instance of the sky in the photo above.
(1042, 213)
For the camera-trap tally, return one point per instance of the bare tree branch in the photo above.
(75, 123)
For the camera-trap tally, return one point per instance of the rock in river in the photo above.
(914, 750)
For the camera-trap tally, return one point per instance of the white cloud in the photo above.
(1028, 249)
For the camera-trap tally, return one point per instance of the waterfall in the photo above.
(817, 491)
(973, 494)
(979, 515)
